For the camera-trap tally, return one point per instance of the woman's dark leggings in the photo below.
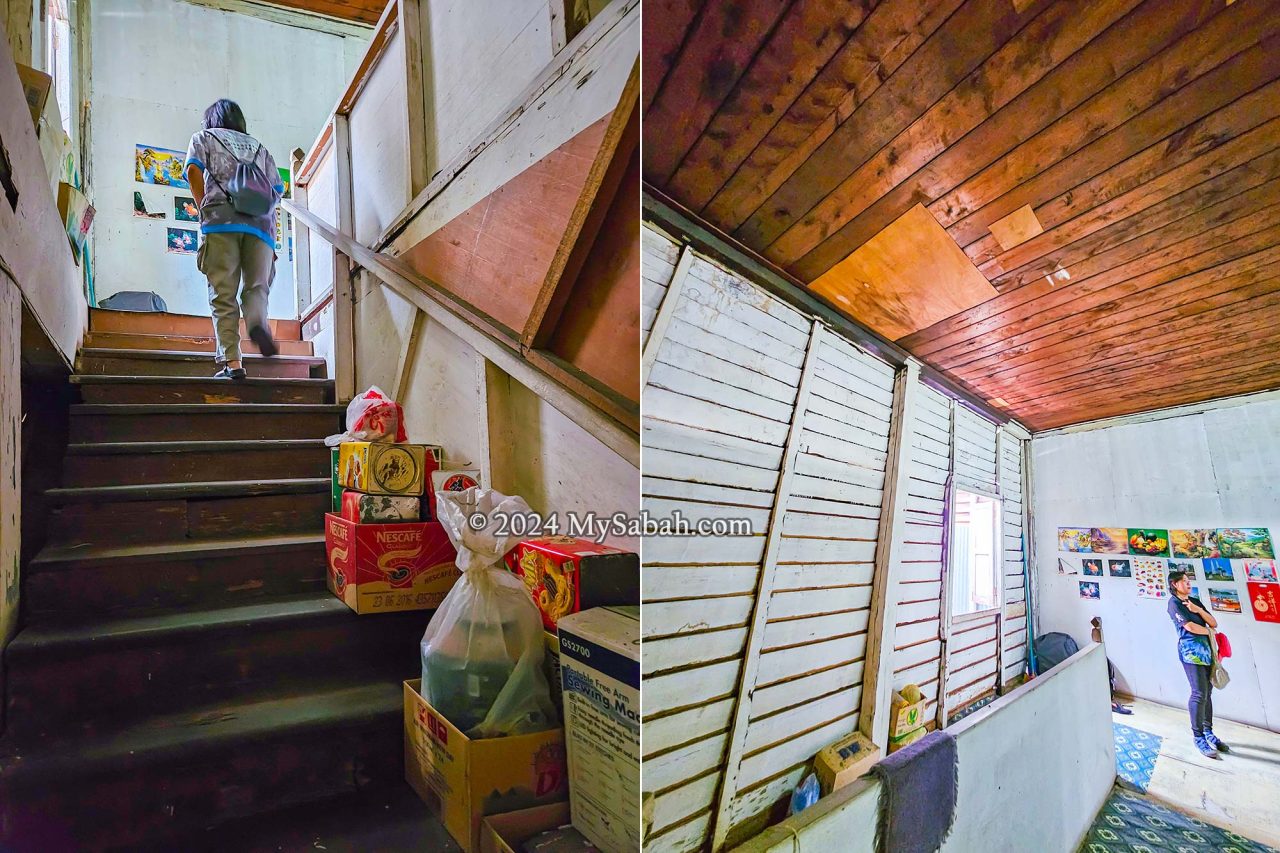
(1201, 704)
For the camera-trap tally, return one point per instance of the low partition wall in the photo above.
(1036, 766)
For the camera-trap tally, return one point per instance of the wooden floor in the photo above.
(1241, 792)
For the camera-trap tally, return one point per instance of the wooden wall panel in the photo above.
(660, 254)
(10, 455)
(379, 149)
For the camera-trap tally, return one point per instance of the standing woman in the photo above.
(1195, 624)
(237, 224)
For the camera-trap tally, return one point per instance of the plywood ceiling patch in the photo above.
(906, 278)
(1018, 227)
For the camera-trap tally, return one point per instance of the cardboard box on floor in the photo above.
(505, 833)
(382, 568)
(464, 780)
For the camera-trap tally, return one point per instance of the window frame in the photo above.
(948, 543)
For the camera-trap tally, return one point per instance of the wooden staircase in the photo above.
(181, 663)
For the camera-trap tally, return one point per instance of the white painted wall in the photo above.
(157, 64)
(1219, 468)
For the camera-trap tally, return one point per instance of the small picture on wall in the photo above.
(1183, 566)
(1065, 568)
(286, 182)
(1265, 599)
(1089, 589)
(140, 208)
(152, 165)
(184, 209)
(1074, 539)
(1108, 540)
(1194, 543)
(1244, 542)
(180, 241)
(1195, 592)
(1226, 600)
(1153, 581)
(1218, 569)
(1119, 568)
(1260, 571)
(1149, 543)
(1092, 568)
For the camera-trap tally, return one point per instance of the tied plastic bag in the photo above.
(482, 651)
(805, 795)
(372, 416)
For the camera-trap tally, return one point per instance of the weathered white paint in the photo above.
(156, 66)
(379, 153)
(1216, 468)
(10, 457)
(1034, 769)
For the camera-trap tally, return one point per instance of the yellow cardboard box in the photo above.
(905, 715)
(463, 780)
(380, 468)
(504, 833)
(845, 760)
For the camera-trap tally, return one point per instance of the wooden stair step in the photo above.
(60, 673)
(180, 421)
(104, 579)
(189, 343)
(197, 389)
(152, 778)
(169, 512)
(163, 323)
(140, 362)
(142, 462)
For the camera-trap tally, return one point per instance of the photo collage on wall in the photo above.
(1218, 556)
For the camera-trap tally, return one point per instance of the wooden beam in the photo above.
(666, 311)
(344, 349)
(621, 143)
(944, 589)
(292, 16)
(415, 89)
(301, 238)
(536, 371)
(409, 354)
(886, 586)
(763, 593)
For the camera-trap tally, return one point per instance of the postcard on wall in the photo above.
(1092, 568)
(1065, 568)
(1150, 543)
(286, 182)
(163, 166)
(184, 209)
(1089, 589)
(1260, 571)
(1183, 566)
(1151, 578)
(1074, 539)
(1265, 599)
(140, 208)
(1119, 568)
(1194, 543)
(1218, 569)
(1245, 542)
(181, 241)
(1226, 600)
(1195, 592)
(1108, 540)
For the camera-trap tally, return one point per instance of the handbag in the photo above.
(1218, 676)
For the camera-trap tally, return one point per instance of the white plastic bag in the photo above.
(482, 651)
(372, 416)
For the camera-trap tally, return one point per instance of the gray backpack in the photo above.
(249, 190)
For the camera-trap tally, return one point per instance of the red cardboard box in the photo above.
(565, 575)
(380, 568)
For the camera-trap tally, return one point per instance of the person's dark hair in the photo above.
(1175, 576)
(224, 114)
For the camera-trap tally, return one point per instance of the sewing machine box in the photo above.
(845, 760)
(379, 509)
(567, 575)
(551, 669)
(463, 780)
(382, 468)
(600, 677)
(382, 568)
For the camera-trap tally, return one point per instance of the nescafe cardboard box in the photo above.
(382, 568)
(566, 575)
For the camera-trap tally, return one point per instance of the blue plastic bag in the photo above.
(805, 795)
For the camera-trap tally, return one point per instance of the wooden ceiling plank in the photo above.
(962, 44)
(1049, 41)
(666, 24)
(884, 41)
(966, 325)
(807, 37)
(1031, 302)
(367, 12)
(720, 47)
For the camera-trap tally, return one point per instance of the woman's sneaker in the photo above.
(1213, 741)
(236, 373)
(1205, 749)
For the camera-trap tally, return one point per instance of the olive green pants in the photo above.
(227, 260)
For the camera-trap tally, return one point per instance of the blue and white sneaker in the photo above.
(1205, 749)
(1213, 741)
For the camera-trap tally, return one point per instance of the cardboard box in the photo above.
(381, 568)
(335, 482)
(380, 509)
(905, 716)
(567, 575)
(35, 88)
(600, 674)
(77, 216)
(845, 760)
(505, 833)
(551, 669)
(464, 780)
(382, 468)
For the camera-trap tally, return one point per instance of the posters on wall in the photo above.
(1119, 568)
(184, 209)
(1260, 571)
(1090, 590)
(140, 208)
(286, 181)
(163, 166)
(1244, 542)
(1108, 540)
(1092, 568)
(1183, 566)
(1218, 569)
(1151, 543)
(1196, 544)
(1074, 539)
(1226, 600)
(1264, 598)
(180, 241)
(1151, 578)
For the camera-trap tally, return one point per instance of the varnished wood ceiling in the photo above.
(1144, 136)
(362, 11)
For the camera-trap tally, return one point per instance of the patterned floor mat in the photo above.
(1133, 823)
(1136, 754)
